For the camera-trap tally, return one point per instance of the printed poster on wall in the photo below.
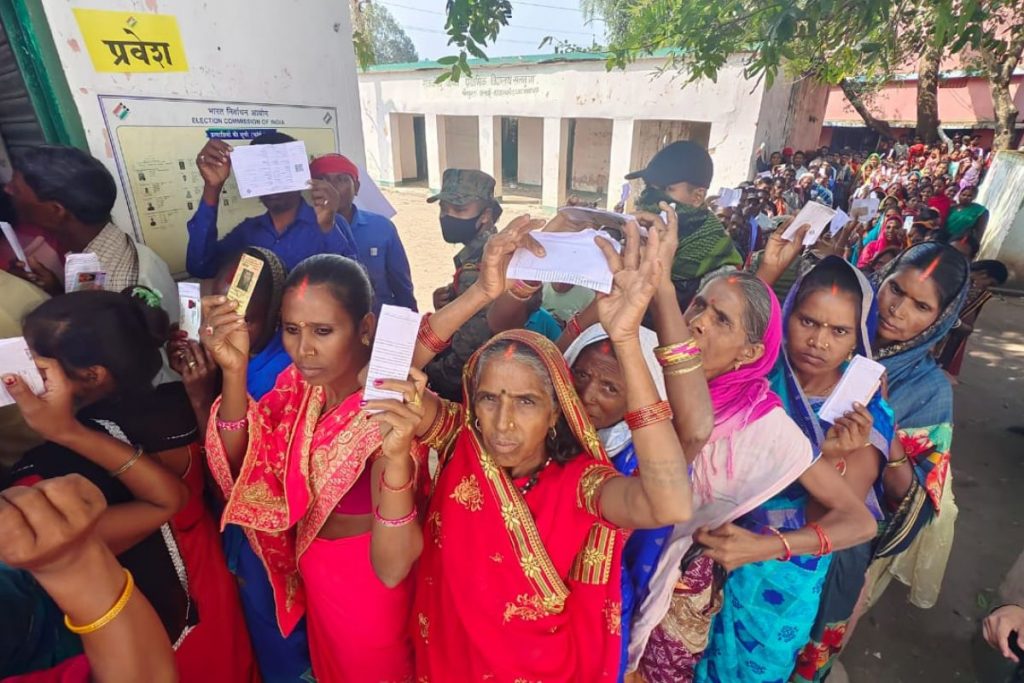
(131, 42)
(156, 141)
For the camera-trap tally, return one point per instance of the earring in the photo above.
(476, 423)
(553, 433)
(850, 357)
(737, 366)
(366, 340)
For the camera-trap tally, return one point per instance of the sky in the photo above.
(532, 21)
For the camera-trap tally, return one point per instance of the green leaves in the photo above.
(470, 26)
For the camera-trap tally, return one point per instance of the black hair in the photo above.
(949, 268)
(272, 137)
(344, 278)
(994, 269)
(120, 331)
(72, 178)
(563, 446)
(830, 276)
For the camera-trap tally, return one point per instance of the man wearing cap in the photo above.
(380, 248)
(680, 174)
(469, 212)
(290, 228)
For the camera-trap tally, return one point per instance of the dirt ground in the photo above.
(895, 642)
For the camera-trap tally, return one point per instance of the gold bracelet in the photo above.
(127, 465)
(111, 614)
(897, 463)
(673, 370)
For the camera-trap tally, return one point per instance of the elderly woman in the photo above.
(522, 542)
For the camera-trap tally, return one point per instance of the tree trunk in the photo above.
(928, 92)
(876, 124)
(1006, 114)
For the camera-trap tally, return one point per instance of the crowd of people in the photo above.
(573, 486)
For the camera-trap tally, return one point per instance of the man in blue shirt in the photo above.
(380, 249)
(291, 228)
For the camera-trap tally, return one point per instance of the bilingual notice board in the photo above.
(155, 143)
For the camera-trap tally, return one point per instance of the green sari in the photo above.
(962, 219)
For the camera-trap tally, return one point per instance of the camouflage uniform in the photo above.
(460, 187)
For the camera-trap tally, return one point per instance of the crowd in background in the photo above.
(569, 486)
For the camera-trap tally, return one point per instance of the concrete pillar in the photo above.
(556, 156)
(437, 150)
(621, 158)
(394, 175)
(490, 149)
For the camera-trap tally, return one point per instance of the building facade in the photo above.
(565, 124)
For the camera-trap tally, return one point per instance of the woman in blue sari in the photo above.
(281, 660)
(769, 608)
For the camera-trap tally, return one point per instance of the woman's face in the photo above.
(821, 332)
(600, 385)
(893, 227)
(715, 318)
(321, 338)
(967, 196)
(515, 411)
(908, 303)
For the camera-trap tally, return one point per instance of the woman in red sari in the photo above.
(519, 579)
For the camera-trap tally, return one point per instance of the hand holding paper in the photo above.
(858, 385)
(12, 238)
(393, 346)
(818, 216)
(570, 257)
(16, 359)
(269, 169)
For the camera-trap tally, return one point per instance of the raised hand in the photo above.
(399, 420)
(635, 275)
(780, 253)
(224, 333)
(214, 163)
(326, 201)
(198, 371)
(498, 252)
(668, 235)
(51, 414)
(40, 276)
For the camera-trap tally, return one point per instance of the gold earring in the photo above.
(366, 340)
(737, 366)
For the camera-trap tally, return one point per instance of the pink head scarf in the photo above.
(742, 396)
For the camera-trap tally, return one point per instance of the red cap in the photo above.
(333, 163)
(787, 152)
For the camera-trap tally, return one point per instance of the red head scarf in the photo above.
(333, 163)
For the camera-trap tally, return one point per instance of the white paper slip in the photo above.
(15, 244)
(16, 359)
(818, 216)
(871, 204)
(191, 309)
(858, 384)
(571, 257)
(393, 346)
(80, 272)
(729, 197)
(908, 223)
(269, 169)
(839, 222)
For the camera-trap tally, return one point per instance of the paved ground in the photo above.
(896, 642)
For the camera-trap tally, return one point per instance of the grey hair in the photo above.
(758, 309)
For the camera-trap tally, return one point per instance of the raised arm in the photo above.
(693, 415)
(48, 529)
(225, 336)
(779, 253)
(158, 493)
(660, 495)
(489, 286)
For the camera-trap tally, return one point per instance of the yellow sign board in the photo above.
(132, 42)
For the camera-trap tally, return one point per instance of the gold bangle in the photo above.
(673, 370)
(897, 463)
(111, 614)
(127, 465)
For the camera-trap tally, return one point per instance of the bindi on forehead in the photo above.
(303, 288)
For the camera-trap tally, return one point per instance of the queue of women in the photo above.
(653, 499)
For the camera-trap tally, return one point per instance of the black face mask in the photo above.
(651, 197)
(459, 230)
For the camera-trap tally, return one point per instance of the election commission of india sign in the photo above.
(132, 42)
(155, 142)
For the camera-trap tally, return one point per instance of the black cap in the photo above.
(681, 162)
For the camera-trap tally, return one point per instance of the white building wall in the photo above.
(261, 51)
(582, 89)
(531, 150)
(591, 155)
(463, 136)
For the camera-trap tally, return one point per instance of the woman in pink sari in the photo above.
(309, 477)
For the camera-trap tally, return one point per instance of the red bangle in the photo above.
(789, 551)
(429, 338)
(573, 326)
(648, 415)
(394, 523)
(407, 486)
(824, 542)
(232, 425)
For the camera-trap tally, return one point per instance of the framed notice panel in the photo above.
(156, 141)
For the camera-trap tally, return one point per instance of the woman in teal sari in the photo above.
(769, 608)
(968, 217)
